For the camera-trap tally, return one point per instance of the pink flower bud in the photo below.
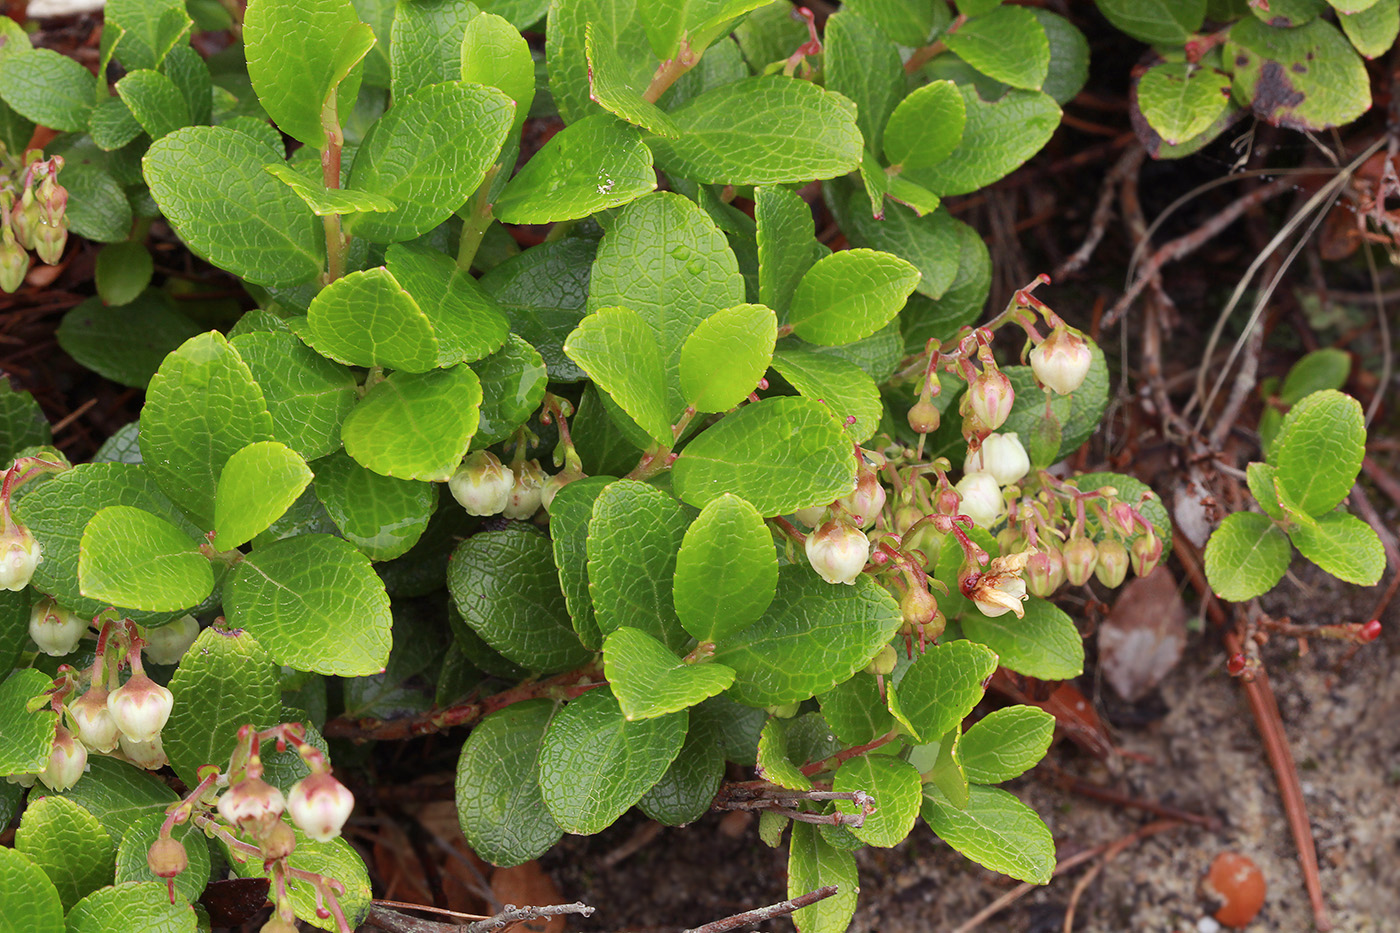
(1045, 570)
(67, 762)
(1001, 455)
(167, 857)
(140, 707)
(481, 484)
(149, 755)
(167, 644)
(96, 727)
(865, 503)
(1062, 360)
(320, 805)
(838, 551)
(525, 490)
(57, 631)
(1112, 566)
(19, 555)
(1146, 551)
(1080, 559)
(252, 805)
(990, 397)
(982, 500)
(947, 501)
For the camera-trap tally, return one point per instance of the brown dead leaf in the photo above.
(1144, 635)
(528, 885)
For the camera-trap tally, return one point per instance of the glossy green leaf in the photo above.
(504, 585)
(942, 686)
(150, 29)
(864, 66)
(841, 386)
(926, 126)
(781, 454)
(633, 538)
(543, 291)
(48, 88)
(613, 88)
(1317, 454)
(996, 831)
(566, 56)
(849, 295)
(1343, 545)
(129, 557)
(322, 200)
(69, 844)
(294, 79)
(649, 680)
(335, 859)
(466, 322)
(855, 711)
(726, 355)
(426, 47)
(595, 764)
(154, 101)
(368, 319)
(499, 805)
(1045, 644)
(1006, 743)
(775, 763)
(616, 348)
(380, 515)
(814, 863)
(688, 787)
(1246, 556)
(894, 783)
(726, 570)
(997, 139)
(427, 154)
(415, 426)
(787, 247)
(25, 891)
(26, 738)
(224, 682)
(814, 636)
(512, 386)
(1156, 22)
(591, 165)
(133, 905)
(1306, 78)
(314, 602)
(762, 131)
(125, 344)
(307, 394)
(257, 485)
(210, 184)
(495, 54)
(1371, 30)
(1006, 44)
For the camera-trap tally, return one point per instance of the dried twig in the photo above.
(766, 913)
(395, 922)
(1128, 162)
(1110, 853)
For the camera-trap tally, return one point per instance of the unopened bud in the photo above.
(481, 484)
(24, 218)
(1001, 455)
(50, 238)
(1145, 552)
(57, 631)
(525, 491)
(96, 727)
(1112, 566)
(947, 501)
(19, 555)
(167, 857)
(1080, 557)
(838, 551)
(278, 842)
(811, 517)
(982, 500)
(1121, 519)
(253, 805)
(865, 504)
(924, 417)
(320, 805)
(884, 661)
(149, 755)
(990, 396)
(14, 261)
(1062, 360)
(167, 644)
(1045, 570)
(553, 484)
(67, 762)
(140, 707)
(918, 606)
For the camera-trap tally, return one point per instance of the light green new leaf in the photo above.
(1182, 100)
(123, 272)
(427, 154)
(591, 165)
(1006, 743)
(609, 86)
(1260, 478)
(495, 54)
(324, 201)
(864, 66)
(894, 783)
(787, 247)
(499, 805)
(1045, 644)
(209, 183)
(202, 407)
(293, 79)
(725, 357)
(51, 89)
(1306, 78)
(1007, 44)
(467, 323)
(814, 863)
(927, 126)
(426, 43)
(129, 557)
(775, 762)
(943, 685)
(415, 425)
(368, 319)
(154, 101)
(1373, 29)
(26, 738)
(840, 385)
(617, 350)
(69, 844)
(595, 763)
(726, 570)
(995, 830)
(566, 55)
(307, 394)
(25, 891)
(1156, 22)
(849, 295)
(997, 139)
(315, 603)
(1343, 545)
(380, 515)
(1327, 368)
(126, 343)
(133, 905)
(762, 131)
(1317, 454)
(149, 29)
(650, 681)
(257, 485)
(1246, 556)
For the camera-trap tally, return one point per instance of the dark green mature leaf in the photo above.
(813, 863)
(504, 585)
(123, 272)
(125, 344)
(1006, 43)
(120, 795)
(224, 682)
(129, 557)
(512, 386)
(51, 89)
(726, 570)
(25, 738)
(428, 153)
(895, 785)
(543, 292)
(942, 686)
(380, 515)
(258, 484)
(22, 423)
(688, 787)
(1343, 545)
(1246, 556)
(1306, 78)
(1317, 454)
(294, 79)
(994, 830)
(1156, 22)
(466, 322)
(650, 681)
(1069, 56)
(427, 43)
(307, 394)
(210, 184)
(591, 165)
(849, 295)
(616, 348)
(1006, 743)
(723, 360)
(840, 385)
(1079, 414)
(314, 602)
(188, 70)
(633, 538)
(595, 764)
(149, 29)
(415, 425)
(787, 247)
(863, 65)
(14, 630)
(855, 711)
(566, 55)
(762, 131)
(97, 206)
(997, 139)
(1045, 644)
(154, 101)
(69, 844)
(781, 454)
(25, 891)
(814, 636)
(1182, 100)
(569, 517)
(499, 804)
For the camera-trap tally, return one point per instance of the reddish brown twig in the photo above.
(1110, 853)
(766, 913)
(1120, 799)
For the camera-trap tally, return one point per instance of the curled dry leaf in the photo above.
(1144, 635)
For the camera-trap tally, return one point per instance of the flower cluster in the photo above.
(33, 214)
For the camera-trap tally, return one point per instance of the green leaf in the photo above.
(855, 711)
(125, 344)
(1246, 556)
(323, 200)
(726, 570)
(787, 247)
(1260, 477)
(569, 517)
(293, 80)
(512, 386)
(1343, 545)
(97, 205)
(1371, 30)
(504, 585)
(51, 89)
(775, 763)
(1006, 743)
(996, 831)
(120, 795)
(814, 863)
(129, 557)
(1069, 57)
(930, 242)
(427, 43)
(543, 292)
(380, 515)
(942, 686)
(136, 843)
(26, 738)
(997, 139)
(415, 426)
(467, 323)
(1307, 78)
(1045, 644)
(22, 423)
(188, 70)
(133, 905)
(224, 682)
(1317, 454)
(849, 295)
(307, 394)
(154, 101)
(1327, 368)
(725, 357)
(618, 351)
(619, 93)
(910, 23)
(495, 54)
(1156, 22)
(814, 636)
(894, 783)
(595, 764)
(257, 485)
(762, 131)
(688, 787)
(123, 272)
(842, 386)
(1285, 13)
(427, 154)
(864, 66)
(334, 859)
(368, 319)
(499, 804)
(149, 29)
(650, 681)
(1007, 44)
(633, 539)
(314, 602)
(566, 57)
(69, 844)
(209, 183)
(781, 454)
(25, 891)
(202, 406)
(1181, 100)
